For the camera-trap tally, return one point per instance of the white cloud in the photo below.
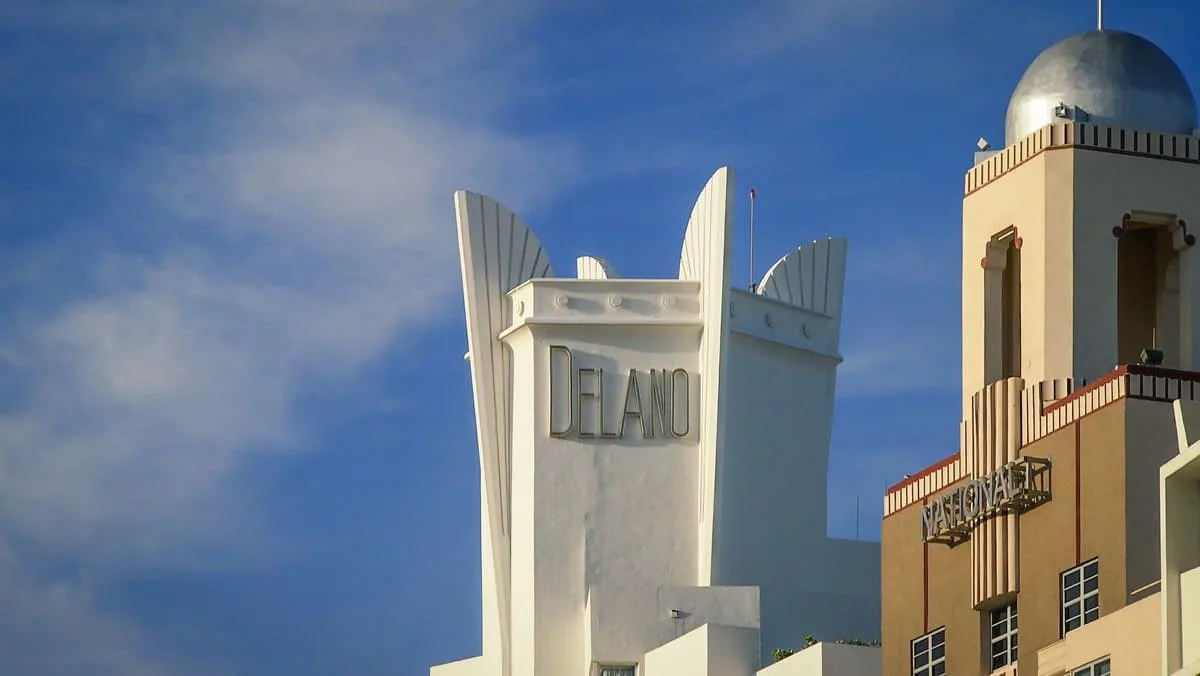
(305, 226)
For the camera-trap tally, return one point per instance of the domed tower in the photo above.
(1076, 249)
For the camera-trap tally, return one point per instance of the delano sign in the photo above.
(1015, 487)
(656, 403)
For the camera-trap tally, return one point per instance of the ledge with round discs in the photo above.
(778, 322)
(619, 302)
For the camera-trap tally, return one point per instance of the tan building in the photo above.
(1014, 554)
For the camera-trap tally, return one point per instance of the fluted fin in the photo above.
(811, 277)
(705, 258)
(497, 252)
(591, 267)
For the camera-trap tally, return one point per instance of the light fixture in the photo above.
(1151, 357)
(983, 144)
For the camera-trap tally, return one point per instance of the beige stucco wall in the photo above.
(1064, 201)
(1101, 464)
(1130, 637)
(1017, 198)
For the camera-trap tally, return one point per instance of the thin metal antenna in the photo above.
(856, 519)
(1099, 15)
(753, 279)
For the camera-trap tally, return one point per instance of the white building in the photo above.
(654, 458)
(1179, 495)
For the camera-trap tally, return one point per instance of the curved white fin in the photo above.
(591, 267)
(811, 277)
(705, 258)
(497, 252)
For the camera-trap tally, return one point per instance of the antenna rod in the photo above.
(753, 280)
(1099, 15)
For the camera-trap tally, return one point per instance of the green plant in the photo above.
(810, 640)
(781, 653)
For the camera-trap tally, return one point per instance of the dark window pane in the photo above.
(920, 660)
(1091, 569)
(1073, 624)
(1071, 593)
(1091, 616)
(939, 651)
(939, 669)
(1091, 584)
(1071, 578)
(1091, 603)
(1072, 611)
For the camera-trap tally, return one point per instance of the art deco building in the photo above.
(1035, 547)
(653, 458)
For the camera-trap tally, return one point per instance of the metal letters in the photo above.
(1016, 487)
(655, 403)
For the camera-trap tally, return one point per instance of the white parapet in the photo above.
(829, 659)
(710, 650)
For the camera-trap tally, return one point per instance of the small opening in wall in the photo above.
(1147, 293)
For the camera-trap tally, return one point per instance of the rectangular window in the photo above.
(616, 670)
(1097, 668)
(1080, 596)
(1003, 635)
(929, 654)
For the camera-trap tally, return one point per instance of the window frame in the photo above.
(1081, 598)
(598, 668)
(931, 663)
(1004, 617)
(1089, 669)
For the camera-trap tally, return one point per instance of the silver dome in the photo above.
(1111, 77)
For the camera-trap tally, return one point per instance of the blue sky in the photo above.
(235, 424)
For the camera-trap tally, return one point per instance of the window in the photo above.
(617, 670)
(1080, 596)
(1097, 668)
(929, 654)
(1003, 635)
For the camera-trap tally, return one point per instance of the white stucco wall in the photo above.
(829, 659)
(710, 650)
(592, 540)
(1179, 507)
(779, 412)
(1189, 620)
(617, 516)
(475, 666)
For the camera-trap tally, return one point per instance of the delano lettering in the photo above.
(655, 404)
